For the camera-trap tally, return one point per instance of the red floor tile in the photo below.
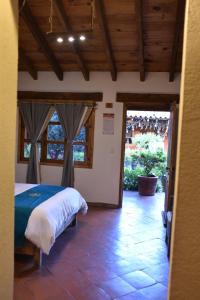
(139, 279)
(116, 287)
(101, 258)
(155, 292)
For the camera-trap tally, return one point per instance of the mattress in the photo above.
(49, 219)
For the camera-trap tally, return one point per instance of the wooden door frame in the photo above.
(148, 102)
(169, 195)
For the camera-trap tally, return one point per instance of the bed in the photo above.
(42, 213)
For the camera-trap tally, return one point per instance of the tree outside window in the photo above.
(51, 144)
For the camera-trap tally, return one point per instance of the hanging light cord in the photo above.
(22, 6)
(92, 14)
(51, 18)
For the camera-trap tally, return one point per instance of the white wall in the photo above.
(101, 183)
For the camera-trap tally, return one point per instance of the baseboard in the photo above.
(102, 205)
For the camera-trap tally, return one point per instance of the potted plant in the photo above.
(150, 161)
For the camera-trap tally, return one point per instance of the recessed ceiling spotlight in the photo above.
(60, 40)
(71, 39)
(82, 37)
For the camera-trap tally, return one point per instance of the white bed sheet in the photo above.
(50, 218)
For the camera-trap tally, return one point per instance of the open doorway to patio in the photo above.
(145, 154)
(150, 126)
(147, 137)
(148, 147)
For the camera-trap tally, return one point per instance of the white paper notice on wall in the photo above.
(108, 123)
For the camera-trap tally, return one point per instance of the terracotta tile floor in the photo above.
(111, 254)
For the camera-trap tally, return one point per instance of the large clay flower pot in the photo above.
(147, 185)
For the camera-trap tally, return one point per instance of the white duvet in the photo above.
(48, 220)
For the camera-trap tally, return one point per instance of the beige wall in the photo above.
(99, 184)
(185, 271)
(8, 88)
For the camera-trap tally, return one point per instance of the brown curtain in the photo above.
(85, 117)
(35, 117)
(71, 118)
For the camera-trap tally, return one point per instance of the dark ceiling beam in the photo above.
(100, 12)
(59, 96)
(140, 30)
(38, 35)
(28, 64)
(146, 97)
(180, 13)
(60, 11)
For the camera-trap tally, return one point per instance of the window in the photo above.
(51, 144)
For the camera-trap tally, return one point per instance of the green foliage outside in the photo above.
(79, 152)
(147, 141)
(79, 156)
(144, 162)
(131, 178)
(55, 133)
(153, 163)
(55, 150)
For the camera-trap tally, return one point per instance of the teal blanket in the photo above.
(24, 205)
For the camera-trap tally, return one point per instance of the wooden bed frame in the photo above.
(30, 249)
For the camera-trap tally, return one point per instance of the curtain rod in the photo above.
(60, 96)
(53, 102)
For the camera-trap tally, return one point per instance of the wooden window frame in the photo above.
(44, 142)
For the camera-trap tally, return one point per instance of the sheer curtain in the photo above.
(35, 117)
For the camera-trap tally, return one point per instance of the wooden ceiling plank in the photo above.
(28, 63)
(180, 13)
(159, 19)
(41, 40)
(60, 11)
(100, 12)
(139, 20)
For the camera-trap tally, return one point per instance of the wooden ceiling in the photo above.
(128, 35)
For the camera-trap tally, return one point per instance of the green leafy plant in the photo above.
(131, 178)
(147, 140)
(154, 163)
(147, 160)
(127, 158)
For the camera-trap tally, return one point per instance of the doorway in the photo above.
(152, 103)
(145, 161)
(146, 149)
(145, 153)
(151, 127)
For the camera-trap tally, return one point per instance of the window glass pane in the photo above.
(79, 152)
(55, 151)
(55, 133)
(82, 135)
(54, 117)
(27, 149)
